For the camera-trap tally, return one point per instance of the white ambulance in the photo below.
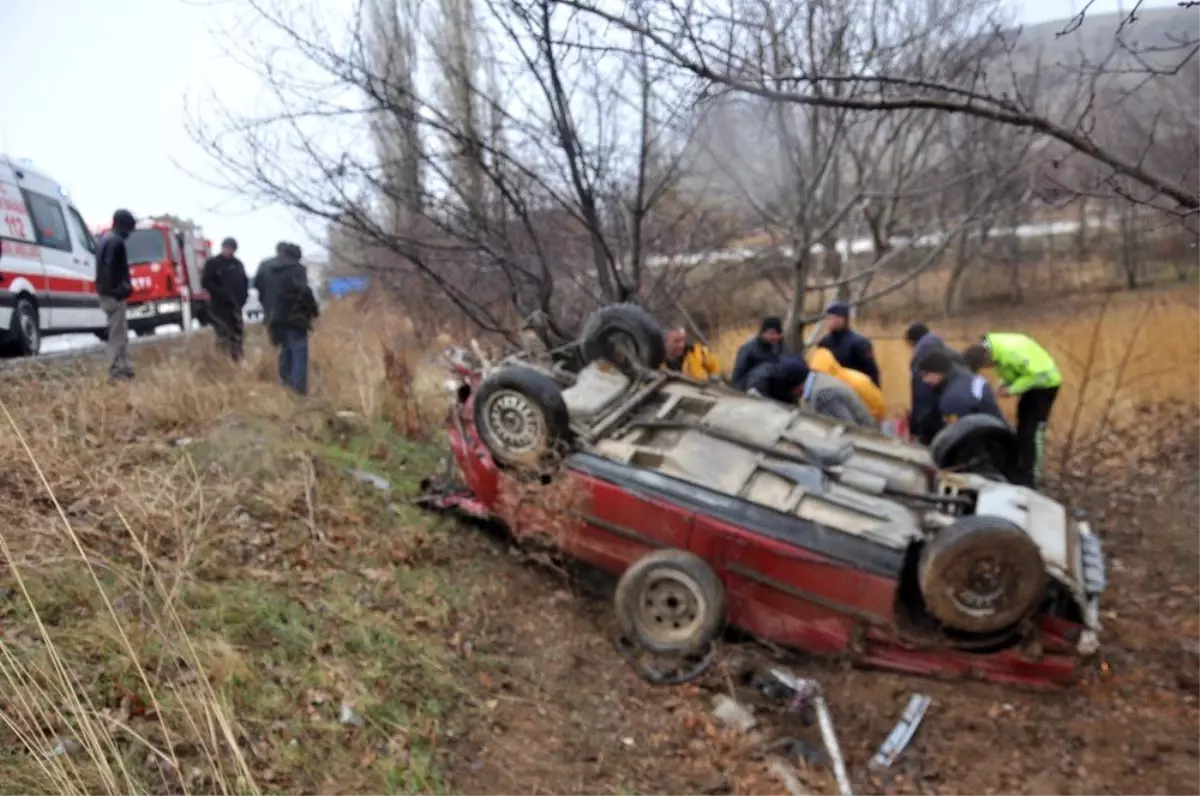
(47, 262)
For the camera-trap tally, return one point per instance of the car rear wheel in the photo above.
(521, 417)
(621, 332)
(982, 574)
(670, 601)
(979, 444)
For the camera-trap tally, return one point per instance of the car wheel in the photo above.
(982, 574)
(521, 417)
(26, 334)
(670, 601)
(980, 444)
(622, 331)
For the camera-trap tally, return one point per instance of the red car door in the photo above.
(796, 596)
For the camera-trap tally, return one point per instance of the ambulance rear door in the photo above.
(21, 268)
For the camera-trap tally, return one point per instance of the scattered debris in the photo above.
(807, 692)
(733, 713)
(182, 442)
(787, 776)
(903, 732)
(64, 747)
(377, 481)
(349, 717)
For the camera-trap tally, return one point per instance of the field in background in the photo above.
(1116, 351)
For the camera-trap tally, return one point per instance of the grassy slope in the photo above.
(242, 588)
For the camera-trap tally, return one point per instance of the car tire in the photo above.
(670, 601)
(521, 417)
(982, 574)
(617, 328)
(979, 444)
(26, 334)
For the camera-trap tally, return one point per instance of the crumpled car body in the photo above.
(821, 534)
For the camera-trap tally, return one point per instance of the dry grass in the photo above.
(1116, 353)
(192, 585)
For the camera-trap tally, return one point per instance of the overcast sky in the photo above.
(94, 92)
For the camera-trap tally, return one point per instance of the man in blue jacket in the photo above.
(926, 421)
(851, 349)
(959, 391)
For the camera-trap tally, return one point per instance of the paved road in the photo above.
(63, 348)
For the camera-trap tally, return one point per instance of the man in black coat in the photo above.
(959, 391)
(851, 349)
(224, 278)
(765, 347)
(113, 287)
(289, 309)
(926, 419)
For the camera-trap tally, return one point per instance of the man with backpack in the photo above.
(224, 278)
(289, 309)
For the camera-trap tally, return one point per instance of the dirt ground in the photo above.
(564, 714)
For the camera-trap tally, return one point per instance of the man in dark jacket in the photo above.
(766, 347)
(113, 287)
(289, 309)
(849, 348)
(782, 380)
(959, 391)
(224, 278)
(926, 421)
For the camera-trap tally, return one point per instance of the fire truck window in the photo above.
(146, 246)
(48, 221)
(80, 231)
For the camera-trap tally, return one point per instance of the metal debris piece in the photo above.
(787, 776)
(64, 747)
(901, 734)
(349, 717)
(377, 481)
(808, 692)
(733, 714)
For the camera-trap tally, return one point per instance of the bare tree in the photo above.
(709, 40)
(531, 185)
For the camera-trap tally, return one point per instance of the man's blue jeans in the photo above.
(293, 358)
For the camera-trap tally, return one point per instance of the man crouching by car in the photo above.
(790, 380)
(959, 391)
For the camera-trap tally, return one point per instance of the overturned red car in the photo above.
(723, 509)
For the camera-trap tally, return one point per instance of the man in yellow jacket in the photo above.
(691, 358)
(822, 360)
(1026, 370)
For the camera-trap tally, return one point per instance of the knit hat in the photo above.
(123, 220)
(792, 371)
(936, 361)
(915, 332)
(977, 357)
(771, 323)
(839, 308)
(229, 243)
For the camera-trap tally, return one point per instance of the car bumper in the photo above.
(156, 310)
(1095, 579)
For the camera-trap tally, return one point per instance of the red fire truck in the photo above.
(165, 262)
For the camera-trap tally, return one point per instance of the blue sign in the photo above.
(339, 286)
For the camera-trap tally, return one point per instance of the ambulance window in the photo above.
(80, 230)
(48, 221)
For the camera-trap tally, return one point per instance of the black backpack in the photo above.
(293, 300)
